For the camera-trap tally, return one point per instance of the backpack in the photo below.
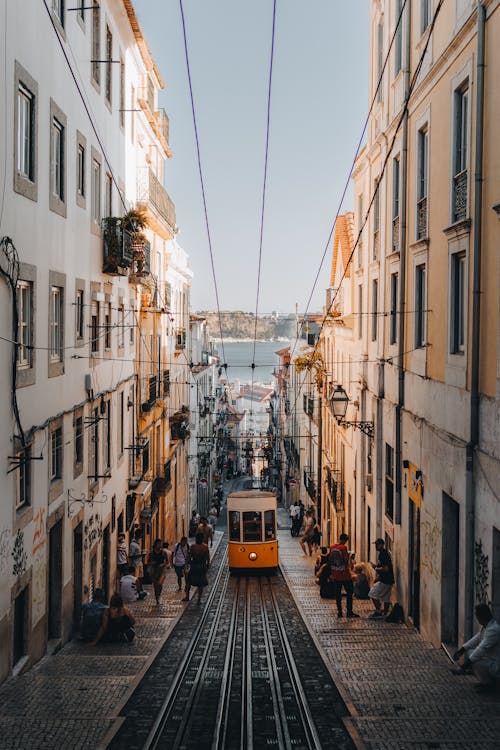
(336, 560)
(397, 614)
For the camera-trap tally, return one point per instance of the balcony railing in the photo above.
(376, 244)
(150, 190)
(117, 254)
(163, 123)
(151, 391)
(335, 486)
(460, 196)
(309, 483)
(422, 218)
(395, 234)
(146, 94)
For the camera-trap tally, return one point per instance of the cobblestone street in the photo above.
(399, 689)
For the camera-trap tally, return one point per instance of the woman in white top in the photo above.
(180, 556)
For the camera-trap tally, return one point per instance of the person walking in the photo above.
(157, 565)
(206, 530)
(199, 561)
(340, 566)
(482, 651)
(212, 518)
(122, 562)
(180, 557)
(307, 537)
(380, 592)
(117, 623)
(135, 558)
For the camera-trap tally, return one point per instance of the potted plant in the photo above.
(135, 222)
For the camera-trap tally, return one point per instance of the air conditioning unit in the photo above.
(369, 482)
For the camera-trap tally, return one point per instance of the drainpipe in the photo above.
(402, 280)
(470, 500)
(320, 455)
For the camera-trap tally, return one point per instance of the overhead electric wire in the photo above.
(264, 184)
(412, 85)
(200, 170)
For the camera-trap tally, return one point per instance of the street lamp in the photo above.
(338, 405)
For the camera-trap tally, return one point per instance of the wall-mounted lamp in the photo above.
(339, 401)
(406, 464)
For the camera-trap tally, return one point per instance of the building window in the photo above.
(131, 331)
(56, 323)
(79, 313)
(81, 10)
(181, 339)
(121, 335)
(107, 326)
(393, 333)
(25, 133)
(57, 166)
(108, 196)
(374, 309)
(420, 306)
(96, 192)
(96, 43)
(398, 39)
(56, 454)
(122, 93)
(80, 185)
(94, 327)
(376, 220)
(360, 230)
(395, 205)
(121, 425)
(109, 58)
(360, 311)
(107, 446)
(457, 306)
(94, 446)
(389, 481)
(460, 153)
(23, 488)
(425, 14)
(380, 59)
(422, 181)
(58, 10)
(78, 444)
(24, 324)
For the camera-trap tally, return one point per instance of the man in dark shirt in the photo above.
(92, 613)
(380, 592)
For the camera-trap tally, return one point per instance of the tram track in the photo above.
(243, 681)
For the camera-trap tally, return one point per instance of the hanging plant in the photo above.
(313, 361)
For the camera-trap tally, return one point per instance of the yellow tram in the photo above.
(251, 525)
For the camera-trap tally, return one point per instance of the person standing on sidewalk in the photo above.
(309, 522)
(340, 566)
(180, 557)
(157, 565)
(381, 590)
(122, 562)
(135, 559)
(199, 560)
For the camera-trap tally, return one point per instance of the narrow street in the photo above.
(397, 690)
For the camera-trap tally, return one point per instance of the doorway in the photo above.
(105, 562)
(20, 646)
(55, 580)
(77, 573)
(449, 567)
(414, 563)
(495, 575)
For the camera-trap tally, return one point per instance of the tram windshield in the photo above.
(234, 525)
(252, 526)
(269, 525)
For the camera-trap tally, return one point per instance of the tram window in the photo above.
(252, 526)
(234, 525)
(269, 525)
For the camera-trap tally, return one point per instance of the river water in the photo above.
(239, 357)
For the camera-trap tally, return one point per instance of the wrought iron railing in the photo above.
(117, 252)
(395, 234)
(150, 190)
(422, 218)
(460, 196)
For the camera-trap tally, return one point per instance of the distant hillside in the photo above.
(241, 325)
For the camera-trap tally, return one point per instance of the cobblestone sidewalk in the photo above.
(69, 700)
(398, 687)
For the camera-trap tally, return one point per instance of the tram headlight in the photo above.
(252, 556)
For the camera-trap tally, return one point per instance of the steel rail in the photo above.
(284, 739)
(221, 721)
(246, 692)
(156, 731)
(313, 738)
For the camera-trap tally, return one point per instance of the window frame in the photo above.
(398, 38)
(57, 173)
(23, 184)
(24, 480)
(420, 304)
(25, 324)
(389, 482)
(393, 318)
(458, 303)
(95, 46)
(96, 192)
(108, 78)
(374, 311)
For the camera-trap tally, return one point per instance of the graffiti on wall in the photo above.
(481, 574)
(19, 555)
(39, 534)
(4, 550)
(92, 531)
(431, 532)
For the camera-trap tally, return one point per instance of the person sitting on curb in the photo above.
(128, 586)
(92, 614)
(380, 592)
(482, 651)
(117, 623)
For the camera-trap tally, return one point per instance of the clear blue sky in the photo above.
(319, 103)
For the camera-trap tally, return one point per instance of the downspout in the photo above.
(402, 280)
(475, 325)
